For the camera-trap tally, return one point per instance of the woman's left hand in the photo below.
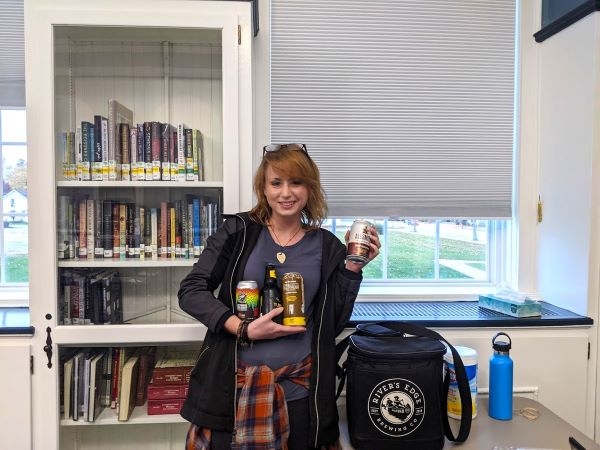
(264, 327)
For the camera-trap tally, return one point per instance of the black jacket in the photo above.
(211, 400)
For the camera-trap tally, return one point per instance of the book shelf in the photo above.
(175, 66)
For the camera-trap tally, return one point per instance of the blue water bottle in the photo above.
(501, 379)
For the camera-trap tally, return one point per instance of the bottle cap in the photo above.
(501, 346)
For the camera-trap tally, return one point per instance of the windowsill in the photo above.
(15, 321)
(438, 314)
(460, 314)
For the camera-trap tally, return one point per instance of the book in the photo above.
(107, 376)
(189, 154)
(90, 354)
(165, 151)
(140, 149)
(122, 355)
(155, 152)
(117, 113)
(196, 228)
(158, 392)
(82, 228)
(154, 233)
(100, 149)
(87, 148)
(125, 150)
(90, 229)
(123, 207)
(173, 366)
(127, 387)
(114, 381)
(99, 221)
(112, 298)
(133, 137)
(148, 151)
(164, 406)
(180, 152)
(147, 359)
(77, 388)
(67, 390)
(67, 146)
(107, 231)
(96, 386)
(63, 235)
(197, 155)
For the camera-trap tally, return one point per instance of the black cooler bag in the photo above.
(396, 390)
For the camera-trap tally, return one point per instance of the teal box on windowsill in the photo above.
(529, 308)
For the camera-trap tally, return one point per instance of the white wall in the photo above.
(15, 394)
(567, 121)
(563, 121)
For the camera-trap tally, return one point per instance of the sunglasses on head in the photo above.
(277, 147)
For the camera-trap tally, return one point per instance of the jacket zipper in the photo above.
(314, 444)
(235, 365)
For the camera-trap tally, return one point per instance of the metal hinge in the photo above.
(31, 364)
(540, 209)
(589, 349)
(239, 35)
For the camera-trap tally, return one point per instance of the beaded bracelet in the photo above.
(242, 333)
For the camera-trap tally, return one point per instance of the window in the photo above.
(408, 108)
(451, 252)
(14, 259)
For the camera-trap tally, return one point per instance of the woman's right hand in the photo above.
(265, 328)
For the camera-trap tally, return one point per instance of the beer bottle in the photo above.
(270, 294)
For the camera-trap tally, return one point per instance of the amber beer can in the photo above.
(359, 241)
(246, 300)
(292, 293)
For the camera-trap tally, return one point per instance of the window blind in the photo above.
(12, 53)
(406, 106)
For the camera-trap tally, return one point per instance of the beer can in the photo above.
(246, 300)
(292, 293)
(359, 241)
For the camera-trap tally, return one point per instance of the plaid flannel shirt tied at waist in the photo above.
(262, 421)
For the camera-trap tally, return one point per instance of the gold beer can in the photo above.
(292, 293)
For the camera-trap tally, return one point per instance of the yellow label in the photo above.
(294, 321)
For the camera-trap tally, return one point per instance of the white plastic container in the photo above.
(469, 359)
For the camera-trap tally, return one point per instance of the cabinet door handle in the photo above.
(48, 347)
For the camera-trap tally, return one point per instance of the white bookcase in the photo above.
(178, 61)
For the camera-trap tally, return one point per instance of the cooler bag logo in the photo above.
(396, 407)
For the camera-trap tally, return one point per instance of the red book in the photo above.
(161, 392)
(169, 406)
(174, 366)
(171, 375)
(114, 385)
(147, 355)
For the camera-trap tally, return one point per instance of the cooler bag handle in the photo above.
(392, 328)
(340, 371)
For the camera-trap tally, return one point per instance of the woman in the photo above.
(260, 384)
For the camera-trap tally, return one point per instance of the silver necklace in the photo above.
(280, 254)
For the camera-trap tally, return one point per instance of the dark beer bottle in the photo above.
(270, 294)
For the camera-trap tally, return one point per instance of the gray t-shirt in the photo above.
(303, 257)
